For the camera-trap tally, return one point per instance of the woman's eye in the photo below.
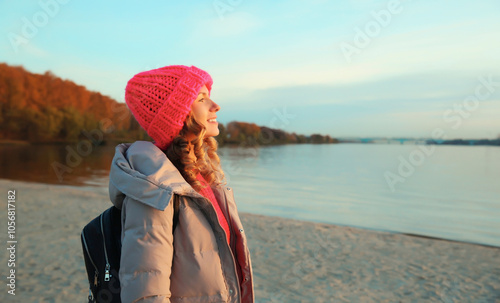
(201, 99)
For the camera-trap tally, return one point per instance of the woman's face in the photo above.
(203, 110)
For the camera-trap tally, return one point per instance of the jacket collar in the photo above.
(143, 172)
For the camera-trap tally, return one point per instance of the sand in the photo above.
(293, 261)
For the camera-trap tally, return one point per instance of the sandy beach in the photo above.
(293, 261)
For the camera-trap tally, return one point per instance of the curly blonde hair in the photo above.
(205, 149)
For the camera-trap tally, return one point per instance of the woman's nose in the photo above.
(215, 106)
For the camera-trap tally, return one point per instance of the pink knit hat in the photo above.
(160, 99)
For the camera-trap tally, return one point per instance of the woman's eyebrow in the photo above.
(202, 93)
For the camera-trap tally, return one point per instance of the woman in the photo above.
(182, 239)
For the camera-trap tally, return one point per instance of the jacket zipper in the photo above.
(233, 239)
(107, 275)
(225, 242)
(96, 272)
(235, 260)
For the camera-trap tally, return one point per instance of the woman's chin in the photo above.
(211, 134)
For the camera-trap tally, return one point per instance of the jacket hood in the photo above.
(142, 171)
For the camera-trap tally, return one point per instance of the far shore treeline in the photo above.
(43, 108)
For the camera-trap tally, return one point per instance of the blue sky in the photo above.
(343, 68)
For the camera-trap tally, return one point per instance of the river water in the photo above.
(450, 192)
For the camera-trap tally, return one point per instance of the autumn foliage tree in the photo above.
(46, 108)
(250, 134)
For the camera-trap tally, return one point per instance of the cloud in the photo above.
(404, 105)
(464, 45)
(412, 90)
(33, 50)
(461, 46)
(232, 24)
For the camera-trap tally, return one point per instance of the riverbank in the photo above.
(293, 261)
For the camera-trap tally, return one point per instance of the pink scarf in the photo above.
(209, 194)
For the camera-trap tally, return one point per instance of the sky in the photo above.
(353, 68)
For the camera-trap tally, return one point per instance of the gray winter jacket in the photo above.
(194, 263)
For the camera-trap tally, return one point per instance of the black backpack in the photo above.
(101, 243)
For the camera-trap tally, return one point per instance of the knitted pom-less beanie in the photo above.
(161, 99)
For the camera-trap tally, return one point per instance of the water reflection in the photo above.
(55, 163)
